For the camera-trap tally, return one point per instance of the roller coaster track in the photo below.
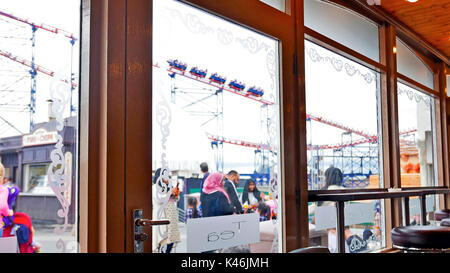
(28, 63)
(367, 138)
(44, 27)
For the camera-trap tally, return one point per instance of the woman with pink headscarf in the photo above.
(215, 199)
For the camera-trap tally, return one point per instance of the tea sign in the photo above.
(211, 233)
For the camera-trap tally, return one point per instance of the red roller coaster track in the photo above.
(45, 27)
(368, 138)
(27, 63)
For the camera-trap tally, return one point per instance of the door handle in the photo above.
(149, 223)
(138, 227)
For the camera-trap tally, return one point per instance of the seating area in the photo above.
(421, 238)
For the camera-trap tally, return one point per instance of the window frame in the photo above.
(387, 67)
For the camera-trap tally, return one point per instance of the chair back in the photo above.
(312, 249)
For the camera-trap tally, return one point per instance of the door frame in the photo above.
(120, 116)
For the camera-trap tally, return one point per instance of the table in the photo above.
(344, 196)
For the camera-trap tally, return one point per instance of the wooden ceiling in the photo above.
(428, 18)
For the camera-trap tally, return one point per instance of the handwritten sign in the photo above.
(39, 137)
(211, 233)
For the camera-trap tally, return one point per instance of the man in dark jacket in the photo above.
(205, 171)
(231, 183)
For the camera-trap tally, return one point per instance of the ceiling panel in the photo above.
(428, 18)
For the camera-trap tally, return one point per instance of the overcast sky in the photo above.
(202, 40)
(52, 52)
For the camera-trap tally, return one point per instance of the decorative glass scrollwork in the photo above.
(58, 173)
(194, 24)
(339, 65)
(163, 190)
(416, 96)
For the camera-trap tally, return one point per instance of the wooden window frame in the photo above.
(113, 59)
(389, 29)
(103, 73)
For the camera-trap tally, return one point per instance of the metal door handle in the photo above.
(149, 223)
(138, 226)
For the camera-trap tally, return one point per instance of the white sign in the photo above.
(356, 213)
(39, 137)
(211, 233)
(9, 245)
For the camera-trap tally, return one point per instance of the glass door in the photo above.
(216, 133)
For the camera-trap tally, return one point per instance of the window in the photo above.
(416, 137)
(343, 26)
(416, 119)
(216, 86)
(278, 4)
(39, 106)
(344, 152)
(35, 180)
(411, 66)
(343, 121)
(448, 85)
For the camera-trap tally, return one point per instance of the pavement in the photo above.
(53, 243)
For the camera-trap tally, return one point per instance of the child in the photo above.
(192, 211)
(264, 211)
(5, 210)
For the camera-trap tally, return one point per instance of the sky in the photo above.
(205, 41)
(199, 39)
(53, 52)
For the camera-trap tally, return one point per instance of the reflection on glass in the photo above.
(215, 129)
(39, 49)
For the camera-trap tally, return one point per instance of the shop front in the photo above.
(27, 158)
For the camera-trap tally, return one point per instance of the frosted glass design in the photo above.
(278, 4)
(448, 85)
(411, 66)
(343, 26)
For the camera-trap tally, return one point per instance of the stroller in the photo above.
(23, 230)
(19, 225)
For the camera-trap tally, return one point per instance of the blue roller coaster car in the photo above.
(177, 65)
(217, 79)
(197, 72)
(256, 91)
(236, 86)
